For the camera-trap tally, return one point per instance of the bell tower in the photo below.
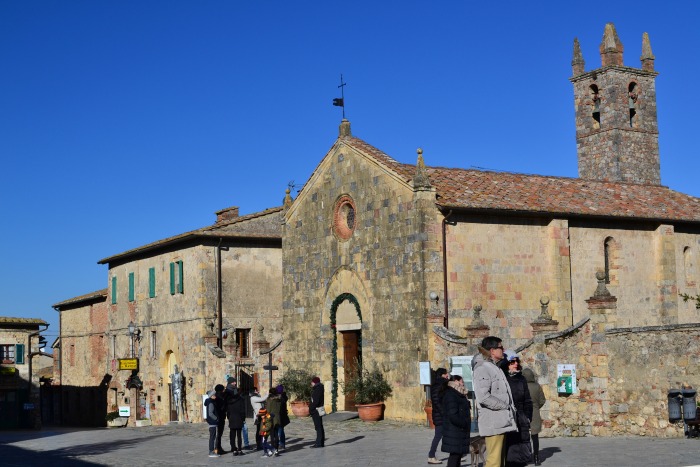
(617, 135)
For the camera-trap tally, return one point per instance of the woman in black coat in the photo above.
(517, 443)
(456, 421)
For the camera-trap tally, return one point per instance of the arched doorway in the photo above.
(346, 323)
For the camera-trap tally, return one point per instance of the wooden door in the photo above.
(351, 357)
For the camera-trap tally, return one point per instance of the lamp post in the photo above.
(132, 329)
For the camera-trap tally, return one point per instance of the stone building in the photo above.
(395, 263)
(20, 343)
(197, 307)
(80, 362)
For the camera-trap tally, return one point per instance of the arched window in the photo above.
(689, 266)
(609, 256)
(595, 100)
(632, 98)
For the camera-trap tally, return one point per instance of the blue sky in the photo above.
(122, 123)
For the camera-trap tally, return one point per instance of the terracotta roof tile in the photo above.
(502, 191)
(263, 225)
(102, 293)
(10, 320)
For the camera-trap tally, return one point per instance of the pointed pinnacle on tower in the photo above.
(421, 181)
(577, 63)
(647, 57)
(611, 48)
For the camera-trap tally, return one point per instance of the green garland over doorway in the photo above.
(334, 368)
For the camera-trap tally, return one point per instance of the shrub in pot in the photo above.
(371, 389)
(297, 385)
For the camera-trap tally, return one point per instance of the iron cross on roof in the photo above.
(340, 102)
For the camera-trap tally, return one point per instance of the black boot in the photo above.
(537, 459)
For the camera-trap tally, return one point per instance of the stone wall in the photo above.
(383, 264)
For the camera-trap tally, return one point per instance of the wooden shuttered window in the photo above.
(176, 278)
(152, 282)
(114, 290)
(19, 354)
(131, 286)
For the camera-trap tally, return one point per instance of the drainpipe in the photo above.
(31, 355)
(219, 315)
(444, 267)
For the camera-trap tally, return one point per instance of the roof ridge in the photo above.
(246, 217)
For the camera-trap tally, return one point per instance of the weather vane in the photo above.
(340, 101)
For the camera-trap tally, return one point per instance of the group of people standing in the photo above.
(269, 412)
(508, 400)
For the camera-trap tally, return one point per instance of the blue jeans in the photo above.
(245, 435)
(212, 438)
(280, 435)
(436, 440)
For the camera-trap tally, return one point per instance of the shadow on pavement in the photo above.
(546, 453)
(16, 456)
(350, 440)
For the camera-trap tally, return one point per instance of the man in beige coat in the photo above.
(493, 398)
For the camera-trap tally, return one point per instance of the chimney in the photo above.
(226, 215)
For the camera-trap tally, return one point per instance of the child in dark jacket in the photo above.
(213, 417)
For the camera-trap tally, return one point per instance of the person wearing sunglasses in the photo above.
(494, 399)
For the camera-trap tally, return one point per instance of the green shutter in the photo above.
(19, 354)
(114, 290)
(172, 278)
(131, 286)
(152, 282)
(180, 285)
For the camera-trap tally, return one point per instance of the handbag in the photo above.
(321, 411)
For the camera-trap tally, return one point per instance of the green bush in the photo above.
(297, 384)
(370, 386)
(112, 415)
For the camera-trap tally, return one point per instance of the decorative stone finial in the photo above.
(647, 57)
(421, 182)
(287, 198)
(344, 129)
(611, 48)
(577, 63)
(477, 315)
(601, 290)
(544, 313)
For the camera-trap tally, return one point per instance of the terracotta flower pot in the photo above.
(429, 412)
(300, 408)
(370, 412)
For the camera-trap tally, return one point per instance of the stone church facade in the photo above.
(395, 263)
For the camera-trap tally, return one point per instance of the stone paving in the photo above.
(349, 443)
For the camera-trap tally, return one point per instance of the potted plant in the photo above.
(114, 419)
(297, 385)
(371, 389)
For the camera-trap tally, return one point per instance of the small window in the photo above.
(243, 341)
(632, 98)
(152, 282)
(114, 347)
(176, 278)
(131, 286)
(114, 290)
(7, 353)
(610, 258)
(153, 344)
(595, 100)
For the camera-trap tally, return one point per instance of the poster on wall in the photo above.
(566, 379)
(424, 372)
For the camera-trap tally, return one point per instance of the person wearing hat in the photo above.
(284, 415)
(494, 399)
(256, 400)
(315, 402)
(437, 390)
(235, 411)
(517, 443)
(266, 427)
(214, 414)
(220, 402)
